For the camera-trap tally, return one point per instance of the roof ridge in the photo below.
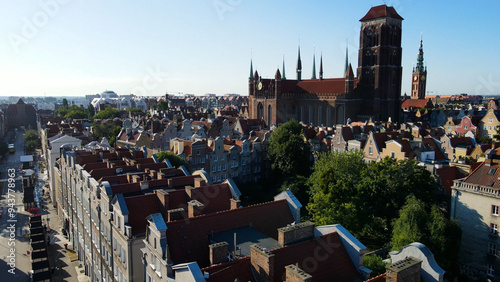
(227, 211)
(474, 171)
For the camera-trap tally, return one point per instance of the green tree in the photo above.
(75, 112)
(108, 113)
(420, 222)
(365, 198)
(135, 110)
(175, 160)
(108, 130)
(65, 103)
(375, 263)
(163, 106)
(31, 135)
(31, 140)
(90, 111)
(288, 151)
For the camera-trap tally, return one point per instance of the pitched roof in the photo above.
(229, 271)
(335, 262)
(485, 175)
(333, 86)
(447, 175)
(140, 207)
(414, 103)
(382, 11)
(189, 239)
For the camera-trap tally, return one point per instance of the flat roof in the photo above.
(245, 237)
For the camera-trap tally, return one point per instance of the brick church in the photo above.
(374, 93)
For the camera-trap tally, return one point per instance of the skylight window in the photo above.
(492, 171)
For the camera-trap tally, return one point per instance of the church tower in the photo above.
(419, 75)
(379, 62)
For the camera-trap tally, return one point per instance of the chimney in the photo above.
(235, 204)
(195, 208)
(218, 252)
(407, 270)
(175, 214)
(161, 175)
(135, 178)
(295, 274)
(144, 184)
(262, 262)
(295, 233)
(152, 173)
(163, 198)
(199, 182)
(191, 192)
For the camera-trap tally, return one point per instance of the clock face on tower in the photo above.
(423, 77)
(415, 78)
(259, 85)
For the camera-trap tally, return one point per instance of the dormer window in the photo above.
(492, 171)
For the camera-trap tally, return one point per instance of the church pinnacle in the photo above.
(314, 67)
(321, 67)
(299, 67)
(283, 76)
(251, 70)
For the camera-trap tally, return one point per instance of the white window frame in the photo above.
(494, 210)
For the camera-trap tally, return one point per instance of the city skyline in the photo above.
(74, 48)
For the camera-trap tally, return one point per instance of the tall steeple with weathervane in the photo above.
(419, 75)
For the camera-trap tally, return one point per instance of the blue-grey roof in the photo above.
(121, 203)
(157, 219)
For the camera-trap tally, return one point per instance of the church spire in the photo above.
(314, 67)
(299, 67)
(283, 76)
(251, 70)
(321, 67)
(346, 58)
(420, 59)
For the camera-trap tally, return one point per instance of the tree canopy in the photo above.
(108, 113)
(108, 130)
(364, 197)
(288, 151)
(162, 106)
(426, 223)
(174, 160)
(31, 140)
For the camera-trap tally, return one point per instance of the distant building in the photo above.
(21, 114)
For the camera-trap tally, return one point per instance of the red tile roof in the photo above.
(381, 11)
(333, 86)
(126, 188)
(334, 264)
(214, 197)
(414, 103)
(139, 208)
(189, 239)
(447, 175)
(481, 175)
(230, 271)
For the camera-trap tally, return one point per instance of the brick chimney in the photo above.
(295, 274)
(235, 204)
(175, 214)
(294, 233)
(262, 263)
(199, 182)
(407, 270)
(163, 198)
(218, 252)
(191, 192)
(195, 208)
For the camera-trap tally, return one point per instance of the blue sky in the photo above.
(78, 47)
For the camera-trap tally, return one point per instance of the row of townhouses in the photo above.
(131, 218)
